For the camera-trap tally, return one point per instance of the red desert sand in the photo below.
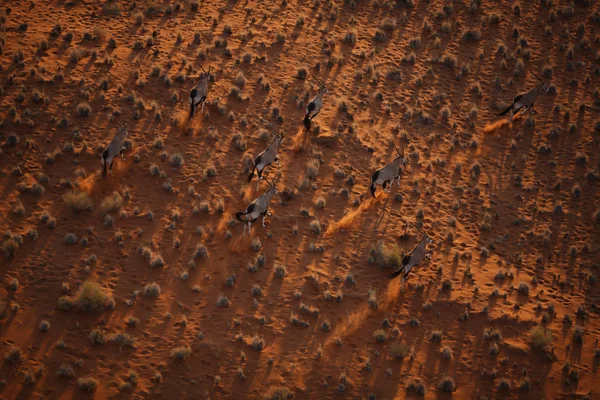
(141, 285)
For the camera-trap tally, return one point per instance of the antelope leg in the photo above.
(263, 220)
(245, 226)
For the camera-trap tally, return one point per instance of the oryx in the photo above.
(199, 92)
(114, 149)
(266, 157)
(415, 257)
(313, 108)
(526, 100)
(388, 173)
(258, 208)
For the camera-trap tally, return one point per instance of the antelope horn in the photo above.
(538, 78)
(274, 132)
(203, 70)
(397, 151)
(420, 230)
(270, 184)
(318, 80)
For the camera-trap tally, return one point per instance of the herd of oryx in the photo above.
(382, 177)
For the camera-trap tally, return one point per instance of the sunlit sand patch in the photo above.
(88, 182)
(249, 192)
(300, 141)
(391, 294)
(183, 120)
(240, 243)
(350, 325)
(222, 224)
(497, 125)
(348, 219)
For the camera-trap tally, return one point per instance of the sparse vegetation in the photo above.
(181, 353)
(540, 337)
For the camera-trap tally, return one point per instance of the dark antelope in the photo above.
(114, 149)
(415, 257)
(525, 100)
(257, 209)
(266, 157)
(387, 174)
(199, 92)
(313, 108)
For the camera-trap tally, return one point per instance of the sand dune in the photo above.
(140, 285)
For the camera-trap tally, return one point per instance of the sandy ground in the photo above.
(512, 208)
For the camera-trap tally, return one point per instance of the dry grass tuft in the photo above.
(78, 200)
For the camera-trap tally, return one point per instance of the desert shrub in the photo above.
(13, 355)
(446, 384)
(122, 339)
(177, 160)
(279, 393)
(97, 337)
(91, 297)
(415, 386)
(152, 290)
(78, 200)
(87, 384)
(258, 343)
(181, 353)
(111, 203)
(65, 371)
(399, 351)
(540, 337)
(380, 335)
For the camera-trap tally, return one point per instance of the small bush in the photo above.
(70, 238)
(78, 200)
(279, 393)
(201, 251)
(523, 288)
(415, 386)
(223, 301)
(65, 371)
(152, 290)
(280, 271)
(97, 337)
(84, 109)
(446, 385)
(13, 355)
(258, 343)
(122, 339)
(315, 227)
(75, 56)
(92, 297)
(380, 335)
(177, 160)
(10, 247)
(181, 353)
(44, 326)
(540, 337)
(87, 384)
(111, 203)
(399, 351)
